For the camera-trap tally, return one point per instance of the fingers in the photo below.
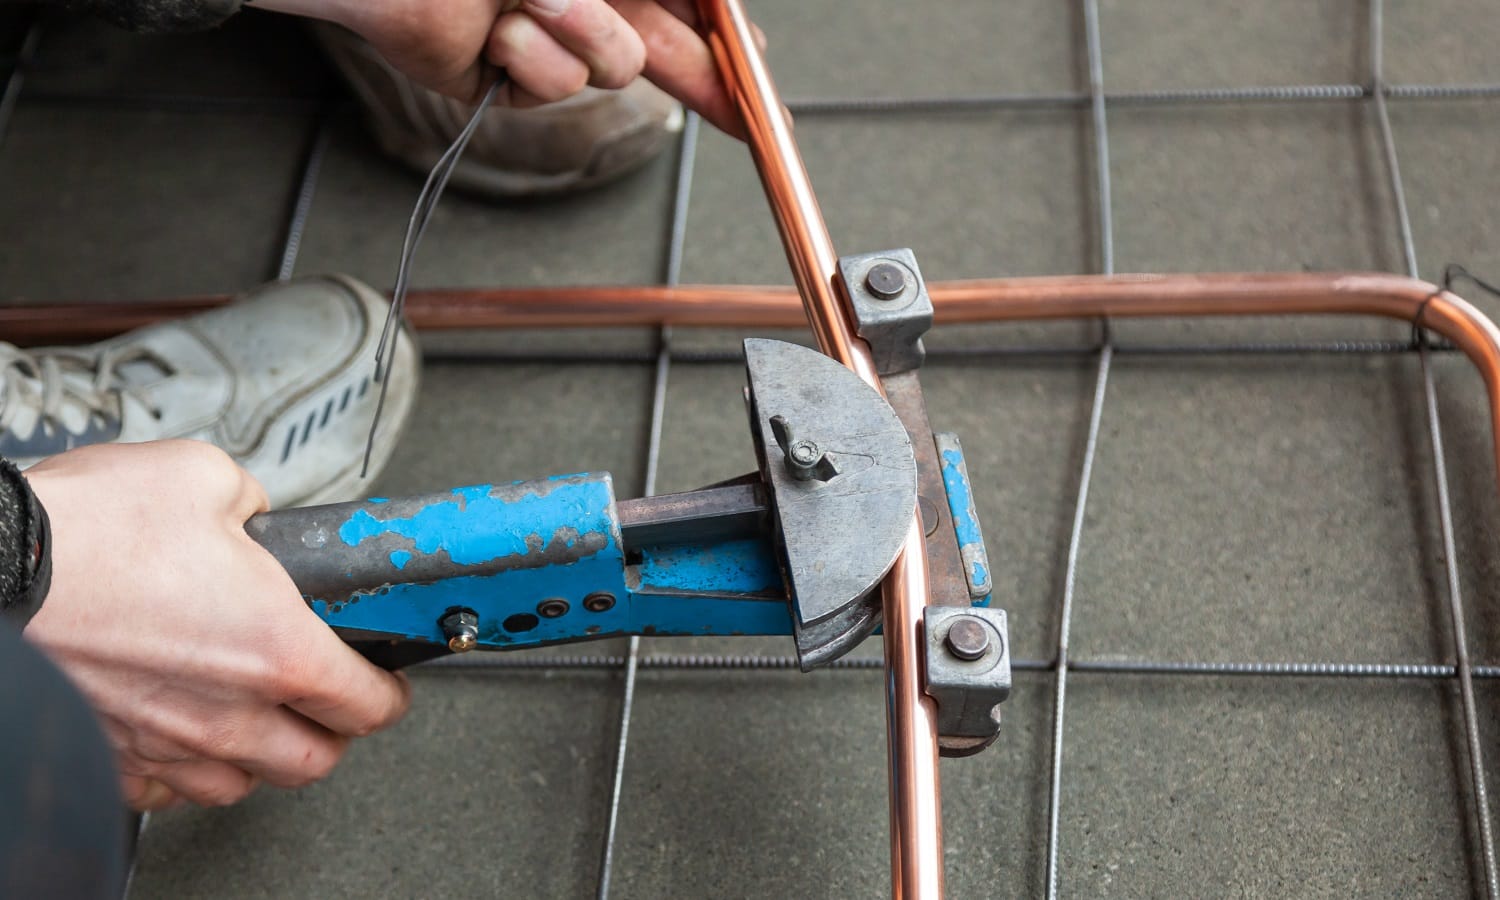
(290, 751)
(340, 690)
(539, 66)
(206, 782)
(146, 794)
(679, 62)
(596, 34)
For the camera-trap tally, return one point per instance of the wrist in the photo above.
(25, 548)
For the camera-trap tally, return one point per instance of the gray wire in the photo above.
(1439, 469)
(1096, 414)
(676, 240)
(416, 227)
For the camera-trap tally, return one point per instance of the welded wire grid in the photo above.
(1097, 101)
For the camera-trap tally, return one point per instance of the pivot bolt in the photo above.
(552, 607)
(599, 601)
(885, 280)
(968, 638)
(461, 628)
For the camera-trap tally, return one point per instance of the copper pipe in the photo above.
(911, 716)
(735, 306)
(1017, 299)
(799, 220)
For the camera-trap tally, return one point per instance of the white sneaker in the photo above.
(281, 379)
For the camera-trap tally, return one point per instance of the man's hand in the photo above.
(550, 48)
(208, 670)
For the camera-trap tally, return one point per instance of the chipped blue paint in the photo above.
(725, 588)
(572, 518)
(474, 526)
(559, 513)
(377, 500)
(960, 501)
(965, 521)
(738, 567)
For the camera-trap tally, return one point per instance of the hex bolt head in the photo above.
(461, 628)
(599, 601)
(968, 638)
(552, 607)
(885, 280)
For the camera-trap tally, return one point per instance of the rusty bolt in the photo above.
(599, 601)
(552, 607)
(461, 628)
(968, 638)
(885, 280)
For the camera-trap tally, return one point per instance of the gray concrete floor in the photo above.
(1243, 507)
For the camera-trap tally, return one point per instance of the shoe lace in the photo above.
(41, 380)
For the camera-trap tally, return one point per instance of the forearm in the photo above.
(25, 551)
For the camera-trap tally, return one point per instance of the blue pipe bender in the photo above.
(797, 548)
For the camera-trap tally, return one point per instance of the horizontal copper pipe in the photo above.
(731, 306)
(998, 300)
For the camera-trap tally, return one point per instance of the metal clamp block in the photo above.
(968, 674)
(891, 307)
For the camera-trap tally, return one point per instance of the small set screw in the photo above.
(461, 628)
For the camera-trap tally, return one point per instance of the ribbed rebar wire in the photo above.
(307, 186)
(676, 238)
(1095, 54)
(724, 662)
(1480, 787)
(1161, 97)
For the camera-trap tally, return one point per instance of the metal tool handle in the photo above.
(317, 562)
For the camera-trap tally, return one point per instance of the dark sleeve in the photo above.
(25, 548)
(155, 16)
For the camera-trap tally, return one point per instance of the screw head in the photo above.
(885, 280)
(552, 607)
(599, 601)
(461, 628)
(804, 452)
(968, 638)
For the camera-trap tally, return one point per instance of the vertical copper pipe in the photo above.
(911, 716)
(804, 235)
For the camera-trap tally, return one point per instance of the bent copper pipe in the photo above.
(911, 716)
(999, 300)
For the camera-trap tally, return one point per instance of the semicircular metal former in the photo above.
(843, 483)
